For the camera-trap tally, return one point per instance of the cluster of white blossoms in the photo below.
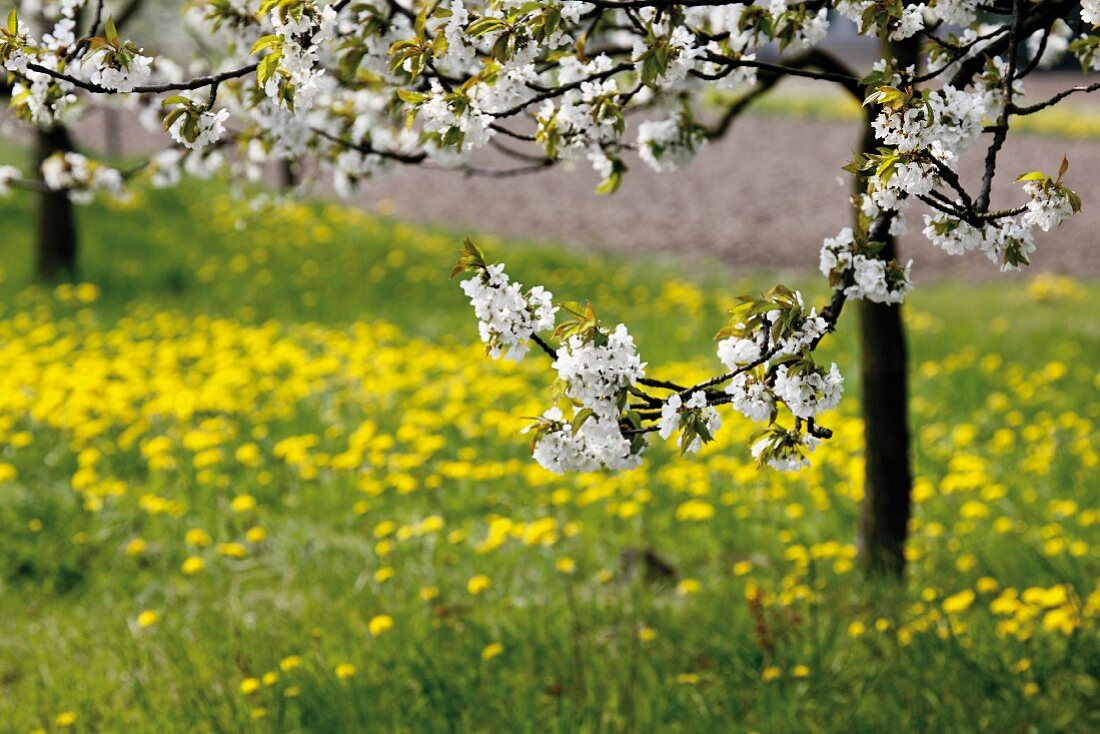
(786, 451)
(1007, 240)
(770, 363)
(468, 128)
(80, 177)
(669, 145)
(598, 443)
(678, 44)
(197, 126)
(1047, 206)
(809, 392)
(507, 317)
(597, 370)
(117, 70)
(1003, 240)
(948, 123)
(695, 413)
(301, 35)
(865, 276)
(904, 180)
(954, 12)
(907, 25)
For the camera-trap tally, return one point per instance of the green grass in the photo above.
(126, 421)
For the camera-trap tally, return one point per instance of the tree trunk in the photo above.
(884, 521)
(56, 232)
(884, 370)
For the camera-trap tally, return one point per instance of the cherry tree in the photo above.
(363, 88)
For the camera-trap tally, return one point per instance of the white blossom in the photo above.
(751, 397)
(673, 410)
(596, 444)
(7, 175)
(595, 375)
(808, 394)
(99, 69)
(1090, 12)
(1047, 206)
(210, 125)
(786, 458)
(668, 145)
(507, 318)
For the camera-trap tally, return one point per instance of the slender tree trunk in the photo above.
(884, 370)
(56, 247)
(888, 478)
(288, 173)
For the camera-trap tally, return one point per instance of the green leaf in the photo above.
(265, 42)
(112, 32)
(581, 417)
(406, 95)
(172, 116)
(268, 67)
(176, 99)
(1032, 176)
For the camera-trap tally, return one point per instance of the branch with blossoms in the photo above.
(366, 87)
(610, 405)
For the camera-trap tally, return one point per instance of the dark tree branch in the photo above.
(1032, 109)
(196, 83)
(1001, 131)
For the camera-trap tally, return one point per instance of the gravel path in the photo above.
(763, 198)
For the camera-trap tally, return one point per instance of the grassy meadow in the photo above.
(256, 474)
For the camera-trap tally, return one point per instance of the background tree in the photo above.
(363, 87)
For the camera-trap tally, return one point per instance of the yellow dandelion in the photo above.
(478, 584)
(136, 547)
(345, 671)
(249, 686)
(291, 662)
(492, 650)
(147, 619)
(958, 602)
(379, 624)
(243, 503)
(193, 565)
(198, 538)
(688, 587)
(232, 550)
